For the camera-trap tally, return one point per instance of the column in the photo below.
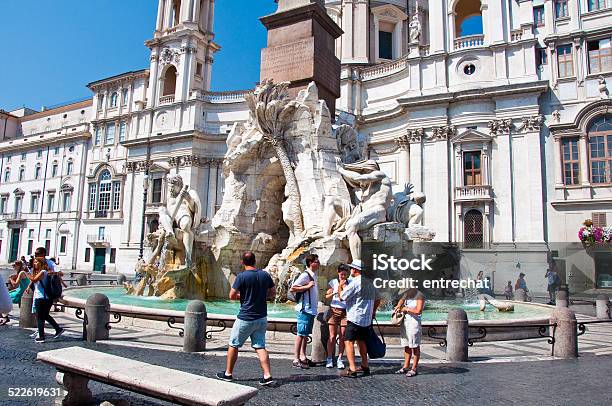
(185, 76)
(452, 32)
(436, 33)
(153, 80)
(496, 29)
(376, 38)
(347, 26)
(212, 188)
(361, 31)
(584, 160)
(204, 16)
(549, 19)
(160, 16)
(211, 16)
(186, 10)
(416, 164)
(404, 160)
(168, 15)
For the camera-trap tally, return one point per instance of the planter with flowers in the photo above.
(590, 235)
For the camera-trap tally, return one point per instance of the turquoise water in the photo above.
(435, 310)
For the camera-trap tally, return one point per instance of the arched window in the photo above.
(7, 175)
(124, 97)
(600, 149)
(113, 99)
(468, 18)
(169, 81)
(69, 167)
(21, 173)
(37, 171)
(473, 229)
(104, 195)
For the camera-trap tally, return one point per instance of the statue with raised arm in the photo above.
(182, 213)
(349, 218)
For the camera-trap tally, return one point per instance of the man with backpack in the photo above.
(305, 290)
(553, 284)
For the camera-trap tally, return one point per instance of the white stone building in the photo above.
(497, 110)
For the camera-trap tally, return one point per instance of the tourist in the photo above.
(19, 282)
(306, 287)
(6, 305)
(480, 278)
(508, 291)
(553, 284)
(521, 283)
(337, 317)
(42, 303)
(253, 287)
(411, 304)
(362, 300)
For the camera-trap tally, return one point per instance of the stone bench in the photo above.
(76, 366)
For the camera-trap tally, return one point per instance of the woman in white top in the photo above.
(42, 303)
(411, 304)
(337, 317)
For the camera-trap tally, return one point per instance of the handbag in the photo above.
(376, 347)
(397, 318)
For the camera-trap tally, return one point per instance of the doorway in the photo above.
(99, 259)
(14, 250)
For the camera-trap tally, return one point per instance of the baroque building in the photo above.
(498, 111)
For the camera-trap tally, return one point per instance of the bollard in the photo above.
(566, 335)
(96, 311)
(318, 351)
(195, 327)
(602, 305)
(121, 279)
(27, 319)
(520, 295)
(562, 298)
(457, 336)
(81, 280)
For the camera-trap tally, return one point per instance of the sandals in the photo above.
(402, 371)
(364, 370)
(411, 373)
(347, 373)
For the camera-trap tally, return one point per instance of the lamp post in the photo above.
(145, 188)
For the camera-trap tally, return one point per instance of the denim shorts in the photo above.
(253, 329)
(305, 321)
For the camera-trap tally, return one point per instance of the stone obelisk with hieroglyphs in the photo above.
(301, 49)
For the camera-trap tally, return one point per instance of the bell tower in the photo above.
(182, 51)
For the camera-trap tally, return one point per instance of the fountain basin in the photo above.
(281, 317)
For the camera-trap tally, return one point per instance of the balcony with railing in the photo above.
(473, 193)
(98, 240)
(169, 99)
(469, 41)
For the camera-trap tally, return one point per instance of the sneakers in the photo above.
(266, 381)
(39, 340)
(58, 334)
(329, 362)
(340, 364)
(223, 377)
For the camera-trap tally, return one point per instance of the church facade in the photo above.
(498, 111)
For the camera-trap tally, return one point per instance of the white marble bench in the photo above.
(76, 366)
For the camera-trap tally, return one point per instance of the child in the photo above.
(508, 291)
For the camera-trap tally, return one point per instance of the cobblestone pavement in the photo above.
(551, 382)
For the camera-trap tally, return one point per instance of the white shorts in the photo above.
(410, 332)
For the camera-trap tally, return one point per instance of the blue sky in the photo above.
(52, 49)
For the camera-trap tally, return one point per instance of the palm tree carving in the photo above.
(271, 111)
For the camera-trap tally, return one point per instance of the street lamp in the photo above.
(145, 188)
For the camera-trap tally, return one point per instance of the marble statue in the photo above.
(603, 88)
(182, 212)
(364, 213)
(407, 207)
(415, 29)
(500, 305)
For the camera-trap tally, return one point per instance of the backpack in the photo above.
(52, 285)
(297, 296)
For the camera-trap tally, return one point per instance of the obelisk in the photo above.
(300, 49)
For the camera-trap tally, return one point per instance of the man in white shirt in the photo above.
(306, 309)
(362, 300)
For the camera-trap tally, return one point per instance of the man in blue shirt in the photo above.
(253, 287)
